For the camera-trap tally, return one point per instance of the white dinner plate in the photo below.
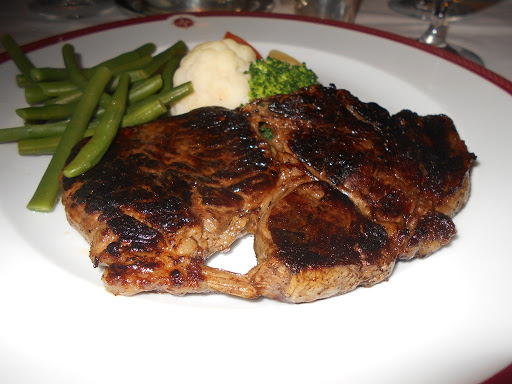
(443, 319)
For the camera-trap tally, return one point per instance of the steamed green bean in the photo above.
(32, 131)
(93, 151)
(58, 87)
(17, 55)
(47, 192)
(38, 146)
(48, 74)
(46, 112)
(35, 95)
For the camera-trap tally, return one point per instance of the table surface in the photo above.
(488, 33)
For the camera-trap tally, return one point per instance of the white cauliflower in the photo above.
(216, 70)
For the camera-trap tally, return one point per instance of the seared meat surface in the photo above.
(401, 171)
(314, 243)
(406, 175)
(335, 191)
(169, 194)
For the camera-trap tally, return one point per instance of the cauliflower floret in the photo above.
(217, 72)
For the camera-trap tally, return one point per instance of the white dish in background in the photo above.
(443, 319)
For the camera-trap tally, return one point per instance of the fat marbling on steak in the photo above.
(334, 190)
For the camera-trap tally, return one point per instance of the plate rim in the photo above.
(490, 76)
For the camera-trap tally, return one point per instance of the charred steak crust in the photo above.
(325, 230)
(338, 193)
(169, 194)
(313, 243)
(399, 170)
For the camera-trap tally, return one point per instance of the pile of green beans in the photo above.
(69, 103)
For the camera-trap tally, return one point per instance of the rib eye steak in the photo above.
(334, 190)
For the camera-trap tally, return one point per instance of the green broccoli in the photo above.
(273, 77)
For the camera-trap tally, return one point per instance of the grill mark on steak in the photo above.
(340, 191)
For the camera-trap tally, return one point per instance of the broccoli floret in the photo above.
(273, 77)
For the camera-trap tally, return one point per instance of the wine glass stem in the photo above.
(437, 31)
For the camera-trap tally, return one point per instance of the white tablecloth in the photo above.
(488, 33)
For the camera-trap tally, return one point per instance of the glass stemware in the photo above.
(437, 31)
(422, 9)
(441, 13)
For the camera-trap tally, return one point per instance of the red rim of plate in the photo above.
(493, 77)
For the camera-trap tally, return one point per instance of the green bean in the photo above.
(168, 72)
(92, 152)
(145, 89)
(57, 88)
(48, 74)
(38, 131)
(158, 61)
(39, 146)
(47, 192)
(166, 97)
(74, 71)
(35, 95)
(66, 98)
(91, 128)
(146, 49)
(46, 112)
(32, 131)
(48, 145)
(178, 49)
(76, 74)
(23, 82)
(144, 114)
(129, 66)
(17, 55)
(138, 63)
(122, 59)
(176, 93)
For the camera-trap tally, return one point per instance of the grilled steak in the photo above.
(335, 191)
(169, 194)
(404, 177)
